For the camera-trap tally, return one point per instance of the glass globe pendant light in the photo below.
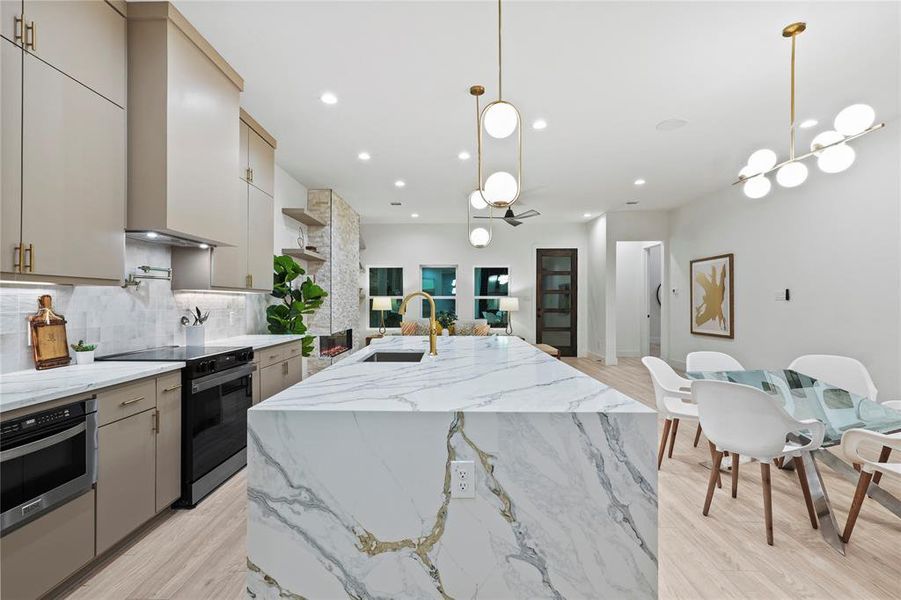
(500, 119)
(831, 148)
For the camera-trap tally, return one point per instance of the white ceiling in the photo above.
(602, 74)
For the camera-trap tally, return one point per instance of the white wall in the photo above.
(630, 301)
(414, 245)
(597, 275)
(834, 242)
(289, 193)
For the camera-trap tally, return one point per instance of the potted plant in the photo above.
(84, 353)
(286, 317)
(446, 320)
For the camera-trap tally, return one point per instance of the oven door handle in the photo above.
(42, 443)
(216, 379)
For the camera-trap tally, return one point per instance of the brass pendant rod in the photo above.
(791, 146)
(875, 127)
(500, 88)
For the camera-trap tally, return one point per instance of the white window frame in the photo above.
(476, 298)
(369, 297)
(455, 297)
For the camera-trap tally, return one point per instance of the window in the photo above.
(489, 285)
(386, 281)
(441, 284)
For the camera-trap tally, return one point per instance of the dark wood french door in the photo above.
(556, 299)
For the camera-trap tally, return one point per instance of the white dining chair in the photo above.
(706, 361)
(870, 470)
(843, 372)
(746, 421)
(673, 396)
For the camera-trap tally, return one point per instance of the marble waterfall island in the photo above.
(349, 480)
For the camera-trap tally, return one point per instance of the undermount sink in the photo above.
(394, 357)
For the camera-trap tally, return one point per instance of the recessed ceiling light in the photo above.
(671, 124)
(415, 215)
(399, 183)
(329, 98)
(809, 123)
(203, 246)
(539, 124)
(632, 202)
(463, 155)
(363, 156)
(152, 234)
(586, 215)
(640, 182)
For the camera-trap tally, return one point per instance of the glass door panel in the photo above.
(557, 292)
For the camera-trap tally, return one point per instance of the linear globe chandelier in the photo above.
(830, 147)
(499, 119)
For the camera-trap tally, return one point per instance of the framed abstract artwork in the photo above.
(713, 296)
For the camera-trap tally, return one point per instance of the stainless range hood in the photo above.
(165, 239)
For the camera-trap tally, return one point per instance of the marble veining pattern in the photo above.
(472, 374)
(358, 505)
(26, 388)
(256, 342)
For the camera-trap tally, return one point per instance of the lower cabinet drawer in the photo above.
(124, 401)
(271, 355)
(42, 554)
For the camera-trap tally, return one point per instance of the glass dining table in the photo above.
(806, 397)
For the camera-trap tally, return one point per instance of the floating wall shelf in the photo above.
(303, 254)
(299, 214)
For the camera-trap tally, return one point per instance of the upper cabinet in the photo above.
(246, 264)
(183, 130)
(257, 155)
(64, 144)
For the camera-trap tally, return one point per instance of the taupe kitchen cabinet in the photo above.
(11, 25)
(183, 134)
(43, 553)
(280, 367)
(260, 223)
(168, 440)
(257, 154)
(71, 155)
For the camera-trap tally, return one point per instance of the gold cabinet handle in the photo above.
(31, 40)
(285, 367)
(18, 259)
(173, 388)
(30, 264)
(17, 28)
(132, 401)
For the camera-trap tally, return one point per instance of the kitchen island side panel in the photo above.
(357, 504)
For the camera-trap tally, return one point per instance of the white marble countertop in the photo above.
(19, 389)
(470, 373)
(256, 341)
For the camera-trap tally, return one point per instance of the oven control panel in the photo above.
(219, 362)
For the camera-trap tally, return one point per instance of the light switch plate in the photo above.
(463, 481)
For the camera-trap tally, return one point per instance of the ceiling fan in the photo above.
(512, 219)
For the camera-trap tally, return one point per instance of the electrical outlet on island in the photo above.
(463, 481)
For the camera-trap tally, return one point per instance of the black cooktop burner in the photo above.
(174, 353)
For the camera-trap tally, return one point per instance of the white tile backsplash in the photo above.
(122, 320)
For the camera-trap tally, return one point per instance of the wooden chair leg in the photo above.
(667, 423)
(672, 438)
(805, 488)
(735, 461)
(859, 494)
(719, 481)
(697, 435)
(883, 457)
(767, 501)
(711, 483)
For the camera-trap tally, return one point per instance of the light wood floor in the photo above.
(199, 554)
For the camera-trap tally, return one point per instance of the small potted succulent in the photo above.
(446, 321)
(84, 353)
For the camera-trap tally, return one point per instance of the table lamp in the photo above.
(509, 305)
(381, 304)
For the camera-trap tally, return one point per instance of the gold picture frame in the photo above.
(712, 301)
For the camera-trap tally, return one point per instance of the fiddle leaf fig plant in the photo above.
(297, 300)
